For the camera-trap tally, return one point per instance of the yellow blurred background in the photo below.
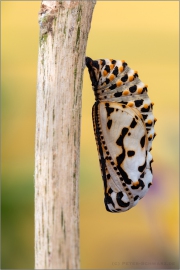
(145, 35)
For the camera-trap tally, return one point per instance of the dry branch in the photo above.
(64, 28)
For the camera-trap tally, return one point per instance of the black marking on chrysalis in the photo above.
(133, 88)
(109, 123)
(109, 109)
(120, 201)
(142, 141)
(130, 153)
(125, 78)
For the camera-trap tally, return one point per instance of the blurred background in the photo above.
(145, 35)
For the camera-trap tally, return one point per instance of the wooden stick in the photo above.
(64, 28)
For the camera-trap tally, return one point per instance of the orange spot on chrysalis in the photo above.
(119, 83)
(131, 78)
(125, 92)
(104, 72)
(136, 183)
(146, 106)
(130, 104)
(111, 66)
(139, 90)
(121, 68)
(111, 77)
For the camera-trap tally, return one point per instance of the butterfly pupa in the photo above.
(123, 124)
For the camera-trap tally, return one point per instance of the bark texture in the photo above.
(64, 28)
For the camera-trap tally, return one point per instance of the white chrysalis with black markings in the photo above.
(124, 130)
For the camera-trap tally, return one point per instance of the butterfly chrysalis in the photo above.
(124, 130)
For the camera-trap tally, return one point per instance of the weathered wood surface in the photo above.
(64, 28)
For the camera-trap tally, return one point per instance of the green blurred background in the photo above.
(145, 34)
